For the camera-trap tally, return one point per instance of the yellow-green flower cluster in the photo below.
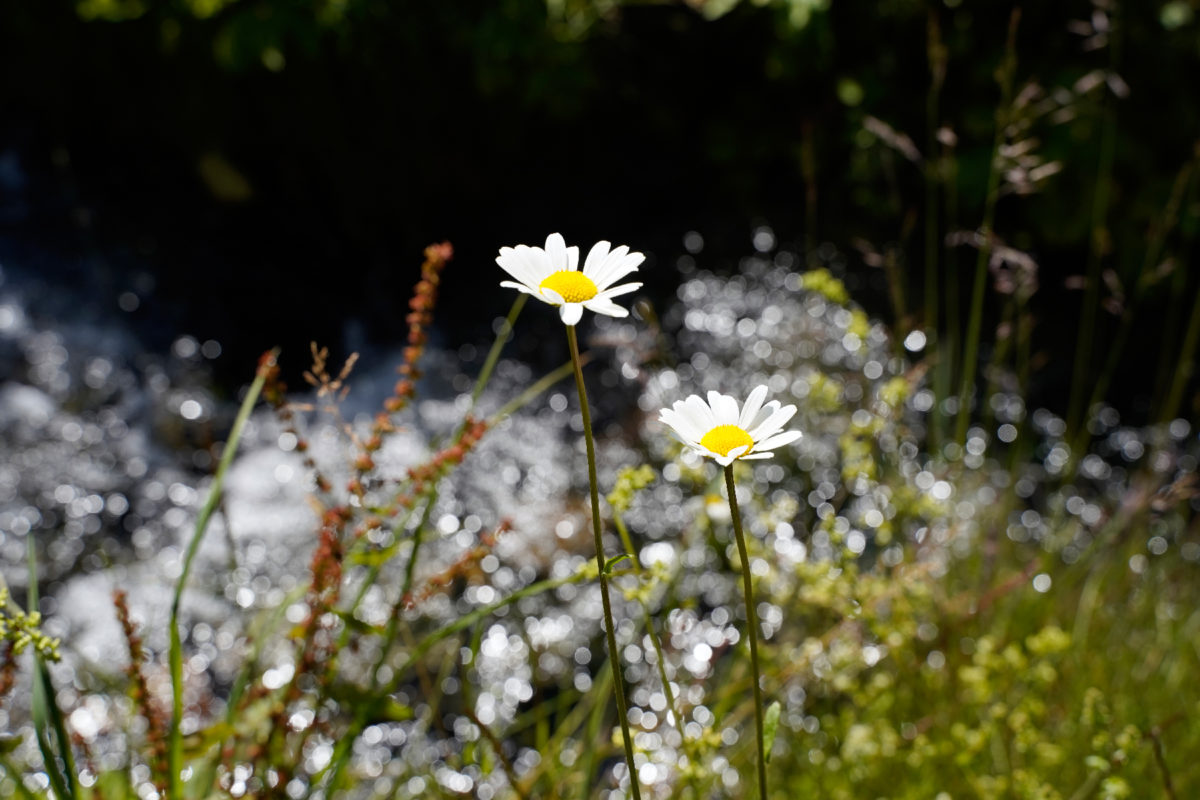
(630, 481)
(23, 630)
(823, 283)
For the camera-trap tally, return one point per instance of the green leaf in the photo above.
(770, 728)
(612, 562)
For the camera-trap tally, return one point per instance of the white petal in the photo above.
(701, 412)
(572, 258)
(515, 265)
(603, 272)
(763, 414)
(602, 305)
(618, 267)
(751, 456)
(737, 451)
(773, 423)
(750, 409)
(724, 407)
(617, 291)
(595, 258)
(520, 287)
(570, 313)
(556, 249)
(697, 423)
(724, 461)
(778, 440)
(680, 424)
(552, 297)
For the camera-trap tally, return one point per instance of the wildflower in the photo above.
(718, 430)
(552, 275)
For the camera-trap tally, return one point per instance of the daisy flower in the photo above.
(552, 275)
(718, 430)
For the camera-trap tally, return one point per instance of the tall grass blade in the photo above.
(175, 746)
(975, 323)
(47, 717)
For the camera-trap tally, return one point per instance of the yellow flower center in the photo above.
(572, 286)
(724, 438)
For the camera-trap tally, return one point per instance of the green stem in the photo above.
(47, 716)
(15, 775)
(1186, 364)
(1077, 414)
(932, 174)
(502, 337)
(330, 776)
(975, 324)
(1098, 239)
(752, 629)
(640, 571)
(609, 628)
(175, 745)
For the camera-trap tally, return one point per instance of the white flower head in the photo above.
(552, 275)
(719, 430)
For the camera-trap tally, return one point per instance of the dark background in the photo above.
(265, 174)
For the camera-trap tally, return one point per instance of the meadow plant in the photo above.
(721, 431)
(1007, 621)
(553, 276)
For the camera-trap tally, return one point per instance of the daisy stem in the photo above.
(752, 627)
(609, 629)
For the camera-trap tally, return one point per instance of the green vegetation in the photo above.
(960, 594)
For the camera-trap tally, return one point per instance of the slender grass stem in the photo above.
(1098, 243)
(609, 629)
(47, 717)
(502, 337)
(1186, 364)
(932, 173)
(175, 746)
(975, 323)
(6, 768)
(330, 777)
(752, 630)
(1077, 414)
(640, 571)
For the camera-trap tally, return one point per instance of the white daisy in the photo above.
(718, 430)
(552, 275)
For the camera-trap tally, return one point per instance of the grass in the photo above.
(1007, 617)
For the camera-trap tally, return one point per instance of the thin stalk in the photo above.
(1097, 242)
(949, 343)
(46, 714)
(609, 628)
(1170, 324)
(16, 775)
(175, 745)
(1175, 307)
(330, 776)
(1186, 364)
(502, 337)
(1091, 295)
(975, 323)
(752, 629)
(639, 570)
(590, 753)
(1129, 313)
(936, 54)
(1023, 359)
(895, 279)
